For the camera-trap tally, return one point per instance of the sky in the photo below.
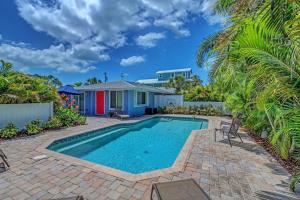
(77, 39)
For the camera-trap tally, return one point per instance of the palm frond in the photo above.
(206, 49)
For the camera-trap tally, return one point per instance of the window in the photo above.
(116, 99)
(141, 98)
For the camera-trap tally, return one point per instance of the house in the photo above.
(130, 98)
(164, 76)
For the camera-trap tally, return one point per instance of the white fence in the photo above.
(204, 104)
(21, 114)
(177, 100)
(168, 100)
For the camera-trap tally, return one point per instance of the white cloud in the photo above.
(58, 58)
(86, 29)
(74, 20)
(174, 23)
(132, 60)
(0, 37)
(207, 10)
(149, 40)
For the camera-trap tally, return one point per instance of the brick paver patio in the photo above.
(245, 171)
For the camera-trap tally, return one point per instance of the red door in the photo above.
(100, 102)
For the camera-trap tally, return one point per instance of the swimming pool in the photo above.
(144, 146)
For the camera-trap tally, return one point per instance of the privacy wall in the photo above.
(21, 114)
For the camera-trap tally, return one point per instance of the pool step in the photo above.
(91, 139)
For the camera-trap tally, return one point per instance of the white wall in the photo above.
(177, 100)
(21, 114)
(168, 100)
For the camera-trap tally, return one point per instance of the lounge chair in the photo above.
(176, 190)
(79, 197)
(231, 129)
(4, 164)
(120, 114)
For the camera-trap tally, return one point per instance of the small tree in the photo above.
(77, 84)
(6, 67)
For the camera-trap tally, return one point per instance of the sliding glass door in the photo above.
(116, 100)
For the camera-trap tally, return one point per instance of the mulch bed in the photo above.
(21, 135)
(290, 164)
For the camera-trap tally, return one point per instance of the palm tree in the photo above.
(92, 80)
(5, 67)
(179, 83)
(257, 67)
(196, 81)
(77, 84)
(16, 87)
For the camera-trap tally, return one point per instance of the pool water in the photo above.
(145, 146)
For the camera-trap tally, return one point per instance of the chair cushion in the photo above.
(179, 190)
(2, 167)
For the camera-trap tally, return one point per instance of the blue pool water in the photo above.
(135, 148)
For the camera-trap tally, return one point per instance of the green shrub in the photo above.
(9, 131)
(33, 127)
(53, 123)
(211, 111)
(81, 120)
(69, 117)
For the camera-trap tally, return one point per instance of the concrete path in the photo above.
(245, 171)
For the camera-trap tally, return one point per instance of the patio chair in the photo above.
(225, 123)
(4, 164)
(231, 130)
(79, 197)
(176, 190)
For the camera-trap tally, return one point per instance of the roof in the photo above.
(68, 89)
(122, 85)
(150, 81)
(174, 70)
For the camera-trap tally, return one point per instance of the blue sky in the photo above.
(75, 40)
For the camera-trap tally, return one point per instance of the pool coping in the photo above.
(178, 165)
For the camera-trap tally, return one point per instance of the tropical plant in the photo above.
(195, 81)
(16, 87)
(5, 68)
(193, 90)
(202, 93)
(53, 123)
(92, 80)
(34, 127)
(195, 110)
(178, 83)
(9, 131)
(81, 120)
(77, 84)
(50, 80)
(257, 68)
(69, 117)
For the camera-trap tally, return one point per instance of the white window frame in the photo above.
(122, 91)
(135, 99)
